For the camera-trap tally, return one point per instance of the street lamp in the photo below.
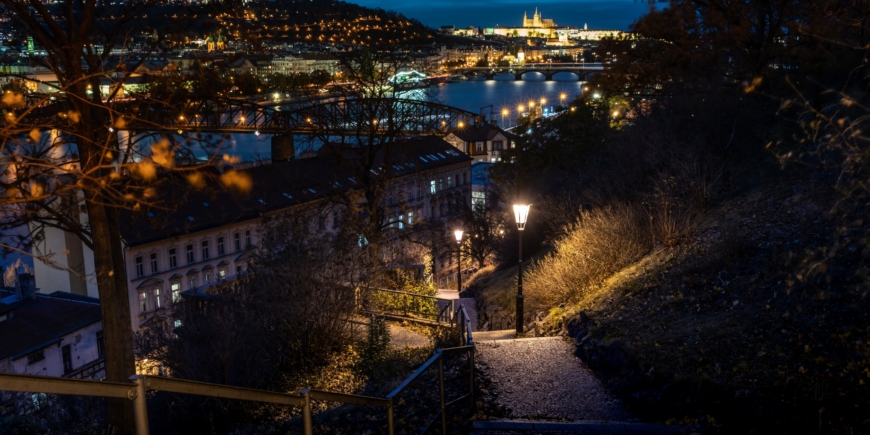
(504, 112)
(458, 234)
(521, 213)
(562, 97)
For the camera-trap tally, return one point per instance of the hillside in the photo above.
(263, 23)
(748, 315)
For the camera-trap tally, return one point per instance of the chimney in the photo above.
(282, 148)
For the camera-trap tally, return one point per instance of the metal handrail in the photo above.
(438, 317)
(141, 384)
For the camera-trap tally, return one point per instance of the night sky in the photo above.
(598, 14)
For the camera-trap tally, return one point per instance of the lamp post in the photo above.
(521, 213)
(458, 234)
(562, 97)
(504, 112)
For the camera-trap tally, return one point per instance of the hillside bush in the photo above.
(599, 243)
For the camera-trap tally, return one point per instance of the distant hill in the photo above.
(265, 22)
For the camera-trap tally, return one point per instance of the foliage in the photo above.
(286, 316)
(598, 244)
(406, 304)
(547, 147)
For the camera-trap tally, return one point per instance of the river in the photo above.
(472, 95)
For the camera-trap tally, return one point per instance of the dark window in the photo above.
(154, 263)
(205, 255)
(190, 258)
(237, 241)
(248, 239)
(34, 357)
(67, 359)
(173, 261)
(140, 267)
(220, 242)
(101, 343)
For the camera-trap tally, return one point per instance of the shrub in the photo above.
(597, 244)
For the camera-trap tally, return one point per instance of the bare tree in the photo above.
(62, 163)
(286, 315)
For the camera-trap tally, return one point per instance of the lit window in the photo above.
(143, 301)
(432, 187)
(175, 287)
(157, 303)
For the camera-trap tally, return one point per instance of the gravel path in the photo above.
(540, 378)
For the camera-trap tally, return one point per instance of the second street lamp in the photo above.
(458, 234)
(521, 213)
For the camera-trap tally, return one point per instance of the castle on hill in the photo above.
(537, 21)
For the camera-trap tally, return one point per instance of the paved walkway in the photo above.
(540, 378)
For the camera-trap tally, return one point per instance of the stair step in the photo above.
(484, 427)
(504, 334)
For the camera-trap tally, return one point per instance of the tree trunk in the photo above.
(117, 330)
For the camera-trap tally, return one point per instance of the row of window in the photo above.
(435, 186)
(153, 298)
(190, 253)
(497, 145)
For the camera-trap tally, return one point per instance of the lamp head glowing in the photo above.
(521, 213)
(458, 234)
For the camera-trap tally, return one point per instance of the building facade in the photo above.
(483, 142)
(58, 334)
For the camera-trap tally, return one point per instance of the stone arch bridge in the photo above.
(581, 70)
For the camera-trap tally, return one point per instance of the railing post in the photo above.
(391, 428)
(140, 405)
(452, 309)
(307, 426)
(471, 377)
(443, 401)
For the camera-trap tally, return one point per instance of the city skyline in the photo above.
(597, 14)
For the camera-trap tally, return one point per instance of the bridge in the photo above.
(581, 70)
(225, 115)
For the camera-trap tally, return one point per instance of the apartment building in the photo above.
(207, 239)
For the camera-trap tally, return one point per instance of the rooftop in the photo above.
(275, 186)
(41, 321)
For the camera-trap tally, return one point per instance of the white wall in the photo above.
(83, 349)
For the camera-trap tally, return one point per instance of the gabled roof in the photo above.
(275, 186)
(480, 132)
(42, 321)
